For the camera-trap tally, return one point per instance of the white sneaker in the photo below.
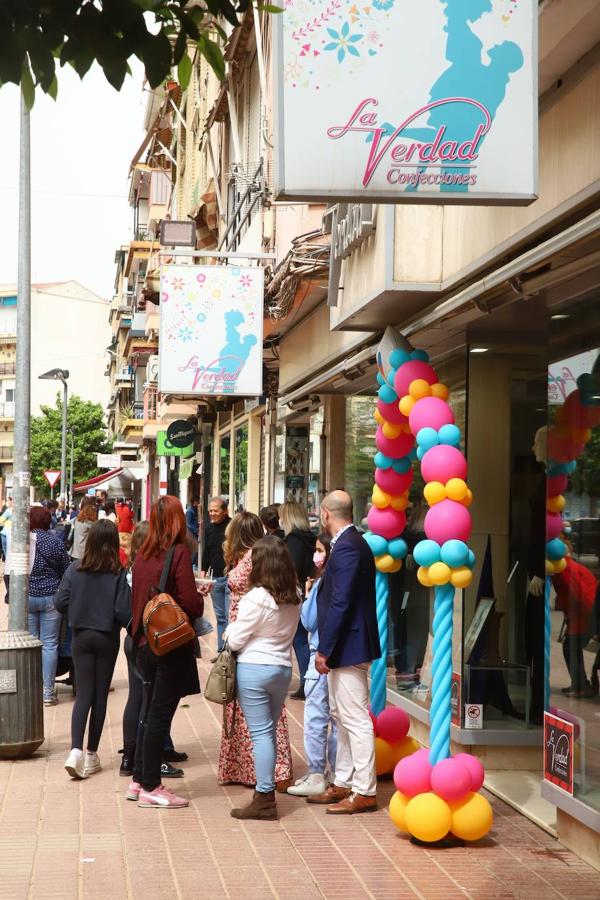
(91, 763)
(309, 786)
(75, 764)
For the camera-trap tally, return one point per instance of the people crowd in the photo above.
(278, 590)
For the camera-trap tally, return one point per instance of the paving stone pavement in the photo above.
(65, 840)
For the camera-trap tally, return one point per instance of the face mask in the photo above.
(318, 559)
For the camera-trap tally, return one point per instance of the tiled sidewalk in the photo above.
(66, 840)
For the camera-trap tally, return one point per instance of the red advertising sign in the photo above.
(558, 751)
(51, 477)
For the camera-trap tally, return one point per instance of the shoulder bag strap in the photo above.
(166, 571)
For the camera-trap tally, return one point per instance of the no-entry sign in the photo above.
(51, 477)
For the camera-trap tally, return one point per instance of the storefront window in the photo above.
(360, 449)
(241, 467)
(314, 495)
(225, 466)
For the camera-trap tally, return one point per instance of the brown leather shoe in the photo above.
(333, 794)
(353, 803)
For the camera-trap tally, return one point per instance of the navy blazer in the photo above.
(346, 605)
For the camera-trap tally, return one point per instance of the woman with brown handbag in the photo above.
(164, 559)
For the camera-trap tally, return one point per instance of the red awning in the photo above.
(97, 481)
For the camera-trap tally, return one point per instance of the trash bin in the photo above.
(21, 708)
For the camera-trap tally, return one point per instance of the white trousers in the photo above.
(349, 704)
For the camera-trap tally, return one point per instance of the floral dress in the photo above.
(236, 761)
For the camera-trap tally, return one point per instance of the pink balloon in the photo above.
(447, 521)
(442, 463)
(395, 448)
(393, 482)
(430, 412)
(392, 724)
(412, 775)
(451, 779)
(556, 485)
(411, 371)
(391, 412)
(553, 525)
(386, 522)
(475, 767)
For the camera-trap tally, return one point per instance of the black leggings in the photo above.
(94, 656)
(132, 714)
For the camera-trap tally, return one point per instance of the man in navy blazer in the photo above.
(348, 643)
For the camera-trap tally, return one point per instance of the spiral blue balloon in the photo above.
(379, 666)
(440, 714)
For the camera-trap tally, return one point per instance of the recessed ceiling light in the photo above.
(479, 349)
(557, 316)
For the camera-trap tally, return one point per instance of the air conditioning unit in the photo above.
(152, 369)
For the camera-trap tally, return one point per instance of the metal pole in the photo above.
(63, 449)
(72, 465)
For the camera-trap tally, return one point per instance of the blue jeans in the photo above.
(220, 599)
(44, 623)
(320, 740)
(261, 692)
(4, 542)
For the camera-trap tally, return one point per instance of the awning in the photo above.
(120, 479)
(97, 481)
(206, 216)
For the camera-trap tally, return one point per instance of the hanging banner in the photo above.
(211, 330)
(406, 102)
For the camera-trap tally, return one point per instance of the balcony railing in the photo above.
(150, 398)
(9, 368)
(7, 410)
(6, 453)
(138, 409)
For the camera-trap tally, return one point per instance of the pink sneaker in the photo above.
(133, 791)
(162, 797)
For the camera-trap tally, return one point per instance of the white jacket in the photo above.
(263, 631)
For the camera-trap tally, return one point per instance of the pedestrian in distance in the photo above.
(320, 734)
(5, 524)
(50, 562)
(213, 562)
(269, 516)
(170, 677)
(300, 542)
(96, 597)
(80, 529)
(262, 636)
(348, 643)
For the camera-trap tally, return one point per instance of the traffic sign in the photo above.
(51, 477)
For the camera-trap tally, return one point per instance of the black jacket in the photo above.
(97, 600)
(301, 545)
(212, 554)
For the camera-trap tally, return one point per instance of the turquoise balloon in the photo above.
(449, 434)
(421, 451)
(455, 553)
(562, 468)
(421, 355)
(387, 394)
(377, 543)
(427, 438)
(380, 379)
(398, 357)
(382, 461)
(471, 560)
(556, 549)
(426, 553)
(401, 465)
(391, 376)
(398, 548)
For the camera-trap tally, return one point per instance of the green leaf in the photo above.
(27, 85)
(213, 54)
(184, 71)
(268, 8)
(179, 50)
(53, 88)
(115, 71)
(156, 56)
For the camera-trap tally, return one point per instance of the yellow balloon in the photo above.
(378, 417)
(434, 492)
(399, 503)
(428, 817)
(440, 390)
(391, 431)
(472, 817)
(549, 566)
(397, 810)
(387, 563)
(406, 404)
(461, 577)
(456, 489)
(384, 756)
(419, 388)
(556, 504)
(466, 501)
(440, 573)
(423, 576)
(405, 747)
(380, 498)
(560, 565)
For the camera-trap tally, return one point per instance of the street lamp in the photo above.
(72, 434)
(61, 375)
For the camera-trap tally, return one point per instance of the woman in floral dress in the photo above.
(236, 762)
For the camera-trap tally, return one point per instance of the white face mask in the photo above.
(319, 558)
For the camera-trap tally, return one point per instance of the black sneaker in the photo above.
(169, 771)
(174, 756)
(126, 767)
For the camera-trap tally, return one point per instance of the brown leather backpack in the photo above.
(165, 624)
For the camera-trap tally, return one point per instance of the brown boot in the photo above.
(333, 794)
(262, 806)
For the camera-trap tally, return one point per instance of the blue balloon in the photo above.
(398, 357)
(382, 461)
(401, 465)
(421, 451)
(427, 438)
(471, 560)
(556, 549)
(426, 553)
(377, 543)
(449, 434)
(380, 379)
(421, 355)
(387, 394)
(391, 376)
(562, 468)
(397, 548)
(455, 553)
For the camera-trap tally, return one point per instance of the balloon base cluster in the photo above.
(434, 802)
(392, 743)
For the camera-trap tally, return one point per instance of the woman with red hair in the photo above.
(170, 677)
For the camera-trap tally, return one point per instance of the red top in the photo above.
(180, 584)
(125, 515)
(576, 592)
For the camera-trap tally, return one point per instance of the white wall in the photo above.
(69, 330)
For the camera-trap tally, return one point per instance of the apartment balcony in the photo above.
(7, 369)
(125, 376)
(132, 423)
(7, 410)
(6, 454)
(150, 403)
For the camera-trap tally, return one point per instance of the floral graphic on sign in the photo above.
(343, 42)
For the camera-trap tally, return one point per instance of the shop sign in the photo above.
(211, 330)
(165, 448)
(180, 433)
(473, 715)
(351, 226)
(558, 751)
(405, 102)
(455, 693)
(108, 460)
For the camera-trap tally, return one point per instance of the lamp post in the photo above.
(61, 375)
(72, 433)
